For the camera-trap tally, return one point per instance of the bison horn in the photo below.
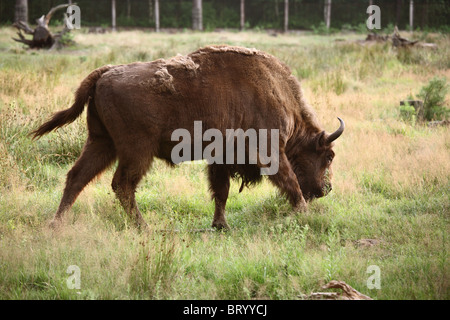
(337, 133)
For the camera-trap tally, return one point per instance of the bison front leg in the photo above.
(286, 180)
(124, 184)
(219, 181)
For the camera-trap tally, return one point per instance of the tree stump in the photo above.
(42, 37)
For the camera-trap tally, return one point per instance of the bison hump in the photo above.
(162, 80)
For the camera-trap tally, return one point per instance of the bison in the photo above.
(134, 109)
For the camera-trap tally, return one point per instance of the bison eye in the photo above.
(329, 159)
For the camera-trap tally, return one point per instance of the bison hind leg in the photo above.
(97, 155)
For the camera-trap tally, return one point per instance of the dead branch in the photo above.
(49, 15)
(348, 293)
(23, 26)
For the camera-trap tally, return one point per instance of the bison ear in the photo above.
(321, 140)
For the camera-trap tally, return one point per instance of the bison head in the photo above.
(311, 162)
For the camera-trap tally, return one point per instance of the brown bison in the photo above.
(134, 109)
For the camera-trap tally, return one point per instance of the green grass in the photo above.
(391, 183)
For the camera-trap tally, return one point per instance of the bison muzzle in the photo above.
(133, 110)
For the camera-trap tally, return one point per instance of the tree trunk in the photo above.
(398, 12)
(128, 10)
(425, 14)
(242, 15)
(179, 12)
(157, 15)
(113, 14)
(21, 11)
(286, 15)
(197, 15)
(277, 13)
(150, 11)
(411, 15)
(327, 13)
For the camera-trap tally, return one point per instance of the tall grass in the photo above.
(391, 183)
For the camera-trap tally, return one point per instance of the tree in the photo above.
(277, 12)
(21, 11)
(411, 15)
(128, 9)
(113, 14)
(398, 11)
(157, 15)
(242, 15)
(197, 15)
(327, 13)
(286, 15)
(150, 11)
(425, 11)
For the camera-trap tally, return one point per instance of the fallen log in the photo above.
(397, 40)
(376, 37)
(438, 123)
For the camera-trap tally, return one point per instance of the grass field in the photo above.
(391, 183)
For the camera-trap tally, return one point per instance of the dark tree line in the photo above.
(211, 14)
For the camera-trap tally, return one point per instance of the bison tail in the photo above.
(61, 118)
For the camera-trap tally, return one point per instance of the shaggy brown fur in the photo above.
(133, 110)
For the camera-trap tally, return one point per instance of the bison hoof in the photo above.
(141, 225)
(55, 224)
(222, 225)
(301, 206)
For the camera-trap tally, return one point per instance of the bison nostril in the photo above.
(319, 193)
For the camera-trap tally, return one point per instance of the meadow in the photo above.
(391, 183)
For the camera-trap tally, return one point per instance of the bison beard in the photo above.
(133, 110)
